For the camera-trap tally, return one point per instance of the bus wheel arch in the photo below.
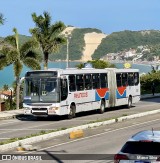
(102, 106)
(129, 101)
(72, 111)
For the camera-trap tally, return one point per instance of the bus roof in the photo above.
(85, 70)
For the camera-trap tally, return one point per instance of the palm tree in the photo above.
(26, 54)
(47, 35)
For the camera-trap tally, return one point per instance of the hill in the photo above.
(90, 43)
(125, 40)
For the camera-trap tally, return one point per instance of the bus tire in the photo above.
(129, 102)
(72, 112)
(102, 107)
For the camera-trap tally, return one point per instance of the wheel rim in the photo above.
(102, 107)
(71, 112)
(129, 102)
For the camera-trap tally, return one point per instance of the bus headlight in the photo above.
(53, 108)
(27, 108)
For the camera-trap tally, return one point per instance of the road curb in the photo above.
(35, 139)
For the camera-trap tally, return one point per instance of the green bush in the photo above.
(99, 64)
(147, 80)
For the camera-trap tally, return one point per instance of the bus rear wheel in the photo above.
(129, 102)
(72, 112)
(102, 107)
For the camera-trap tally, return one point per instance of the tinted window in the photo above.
(119, 81)
(72, 84)
(148, 148)
(87, 81)
(79, 82)
(130, 79)
(103, 78)
(95, 81)
(124, 79)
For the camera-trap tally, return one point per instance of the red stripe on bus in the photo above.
(102, 92)
(121, 90)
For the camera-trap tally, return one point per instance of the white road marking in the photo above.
(28, 129)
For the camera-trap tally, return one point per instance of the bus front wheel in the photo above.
(72, 112)
(102, 108)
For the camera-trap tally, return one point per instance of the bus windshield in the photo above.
(41, 90)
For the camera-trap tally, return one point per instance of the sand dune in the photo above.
(92, 40)
(68, 30)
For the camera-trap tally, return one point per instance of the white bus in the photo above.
(70, 91)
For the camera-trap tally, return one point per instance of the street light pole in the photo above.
(67, 66)
(11, 99)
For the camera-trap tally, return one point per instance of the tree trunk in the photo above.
(17, 92)
(46, 60)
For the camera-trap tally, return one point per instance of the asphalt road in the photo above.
(98, 143)
(25, 125)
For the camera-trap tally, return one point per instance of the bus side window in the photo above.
(124, 79)
(79, 82)
(87, 81)
(103, 78)
(95, 81)
(72, 83)
(130, 79)
(136, 78)
(119, 80)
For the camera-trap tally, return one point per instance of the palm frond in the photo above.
(56, 29)
(13, 56)
(55, 44)
(38, 20)
(3, 62)
(28, 46)
(37, 35)
(33, 54)
(2, 19)
(32, 63)
(11, 40)
(47, 19)
(5, 50)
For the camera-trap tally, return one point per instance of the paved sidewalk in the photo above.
(13, 113)
(147, 96)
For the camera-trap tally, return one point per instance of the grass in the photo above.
(11, 140)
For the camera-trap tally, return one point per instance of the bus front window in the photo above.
(41, 90)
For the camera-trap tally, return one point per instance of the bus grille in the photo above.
(39, 108)
(39, 113)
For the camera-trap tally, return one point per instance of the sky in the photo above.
(107, 15)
